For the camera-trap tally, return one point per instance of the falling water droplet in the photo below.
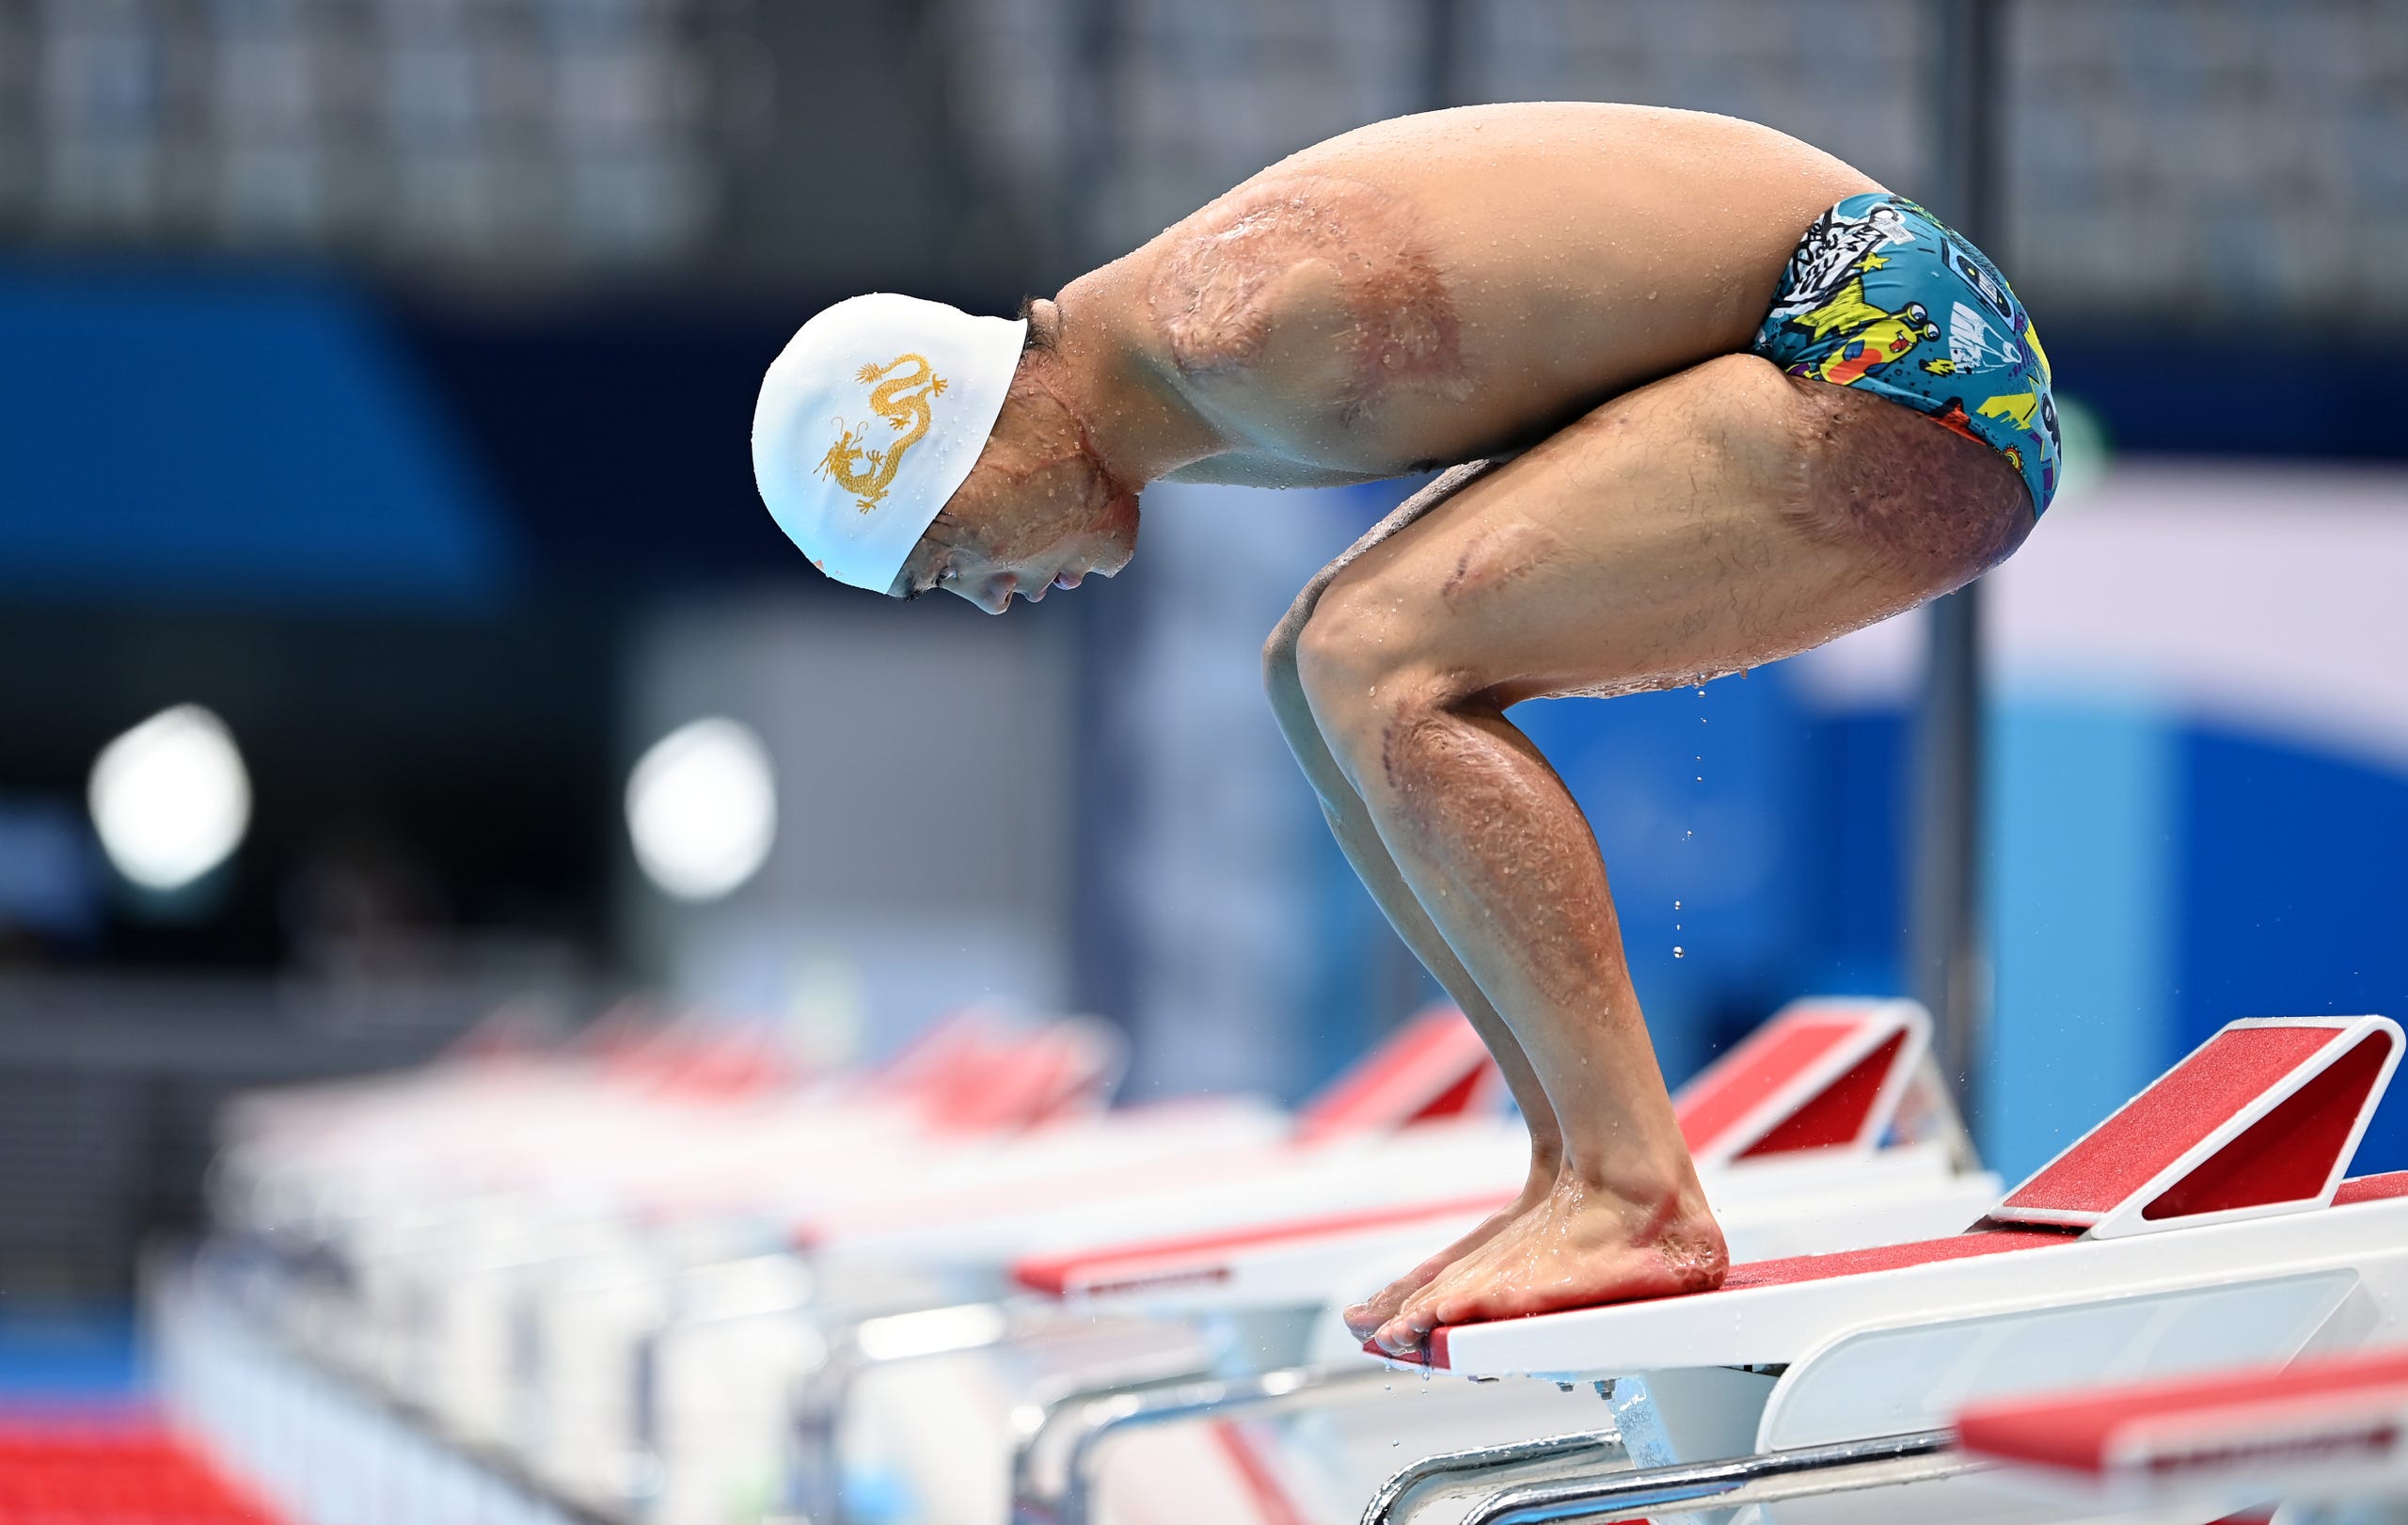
(1676, 905)
(1679, 952)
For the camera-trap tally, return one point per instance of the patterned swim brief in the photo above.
(1881, 297)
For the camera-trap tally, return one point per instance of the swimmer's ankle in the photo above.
(1651, 1180)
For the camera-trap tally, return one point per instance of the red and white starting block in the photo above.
(2206, 1225)
(1825, 1130)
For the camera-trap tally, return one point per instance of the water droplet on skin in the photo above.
(1679, 952)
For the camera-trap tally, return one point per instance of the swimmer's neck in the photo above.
(1093, 351)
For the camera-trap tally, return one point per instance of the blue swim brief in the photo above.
(1881, 297)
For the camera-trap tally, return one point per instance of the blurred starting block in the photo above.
(2328, 1429)
(2205, 1225)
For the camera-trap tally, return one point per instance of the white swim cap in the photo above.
(869, 419)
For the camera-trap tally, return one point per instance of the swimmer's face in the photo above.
(1037, 510)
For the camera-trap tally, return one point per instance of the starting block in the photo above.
(1824, 1130)
(2206, 1225)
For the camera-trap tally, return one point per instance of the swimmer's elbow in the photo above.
(1279, 675)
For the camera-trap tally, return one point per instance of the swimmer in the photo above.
(1704, 397)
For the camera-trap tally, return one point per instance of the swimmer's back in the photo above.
(1441, 286)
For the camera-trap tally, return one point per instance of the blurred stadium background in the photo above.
(375, 374)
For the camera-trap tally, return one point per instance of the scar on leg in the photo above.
(1496, 558)
(1522, 849)
(1922, 496)
(1214, 293)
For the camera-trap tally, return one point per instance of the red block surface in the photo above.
(2380, 1188)
(1720, 1098)
(1837, 1113)
(1435, 1062)
(1797, 1268)
(1053, 1273)
(2171, 1118)
(2287, 1155)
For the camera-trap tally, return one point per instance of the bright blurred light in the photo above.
(170, 799)
(703, 809)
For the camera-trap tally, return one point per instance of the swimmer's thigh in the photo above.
(1724, 517)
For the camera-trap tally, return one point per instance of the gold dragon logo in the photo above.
(898, 395)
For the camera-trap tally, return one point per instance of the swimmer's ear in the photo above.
(1044, 323)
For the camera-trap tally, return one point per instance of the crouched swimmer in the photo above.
(1708, 397)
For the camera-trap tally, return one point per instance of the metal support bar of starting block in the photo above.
(1653, 1492)
(871, 1341)
(1457, 1474)
(1093, 1420)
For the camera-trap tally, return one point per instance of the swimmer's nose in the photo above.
(996, 596)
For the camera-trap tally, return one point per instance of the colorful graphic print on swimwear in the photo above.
(1882, 297)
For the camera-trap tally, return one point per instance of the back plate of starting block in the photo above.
(1824, 1073)
(2261, 1119)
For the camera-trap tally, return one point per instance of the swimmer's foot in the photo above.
(1367, 1316)
(1581, 1246)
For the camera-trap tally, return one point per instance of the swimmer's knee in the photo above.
(1347, 649)
(1365, 676)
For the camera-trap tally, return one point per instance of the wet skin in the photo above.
(1562, 293)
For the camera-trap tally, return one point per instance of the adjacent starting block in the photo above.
(1821, 1075)
(2330, 1428)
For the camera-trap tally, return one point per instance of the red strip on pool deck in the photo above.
(2290, 1153)
(1722, 1097)
(2074, 1433)
(1835, 1114)
(1052, 1273)
(114, 1474)
(2170, 1118)
(1273, 1503)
